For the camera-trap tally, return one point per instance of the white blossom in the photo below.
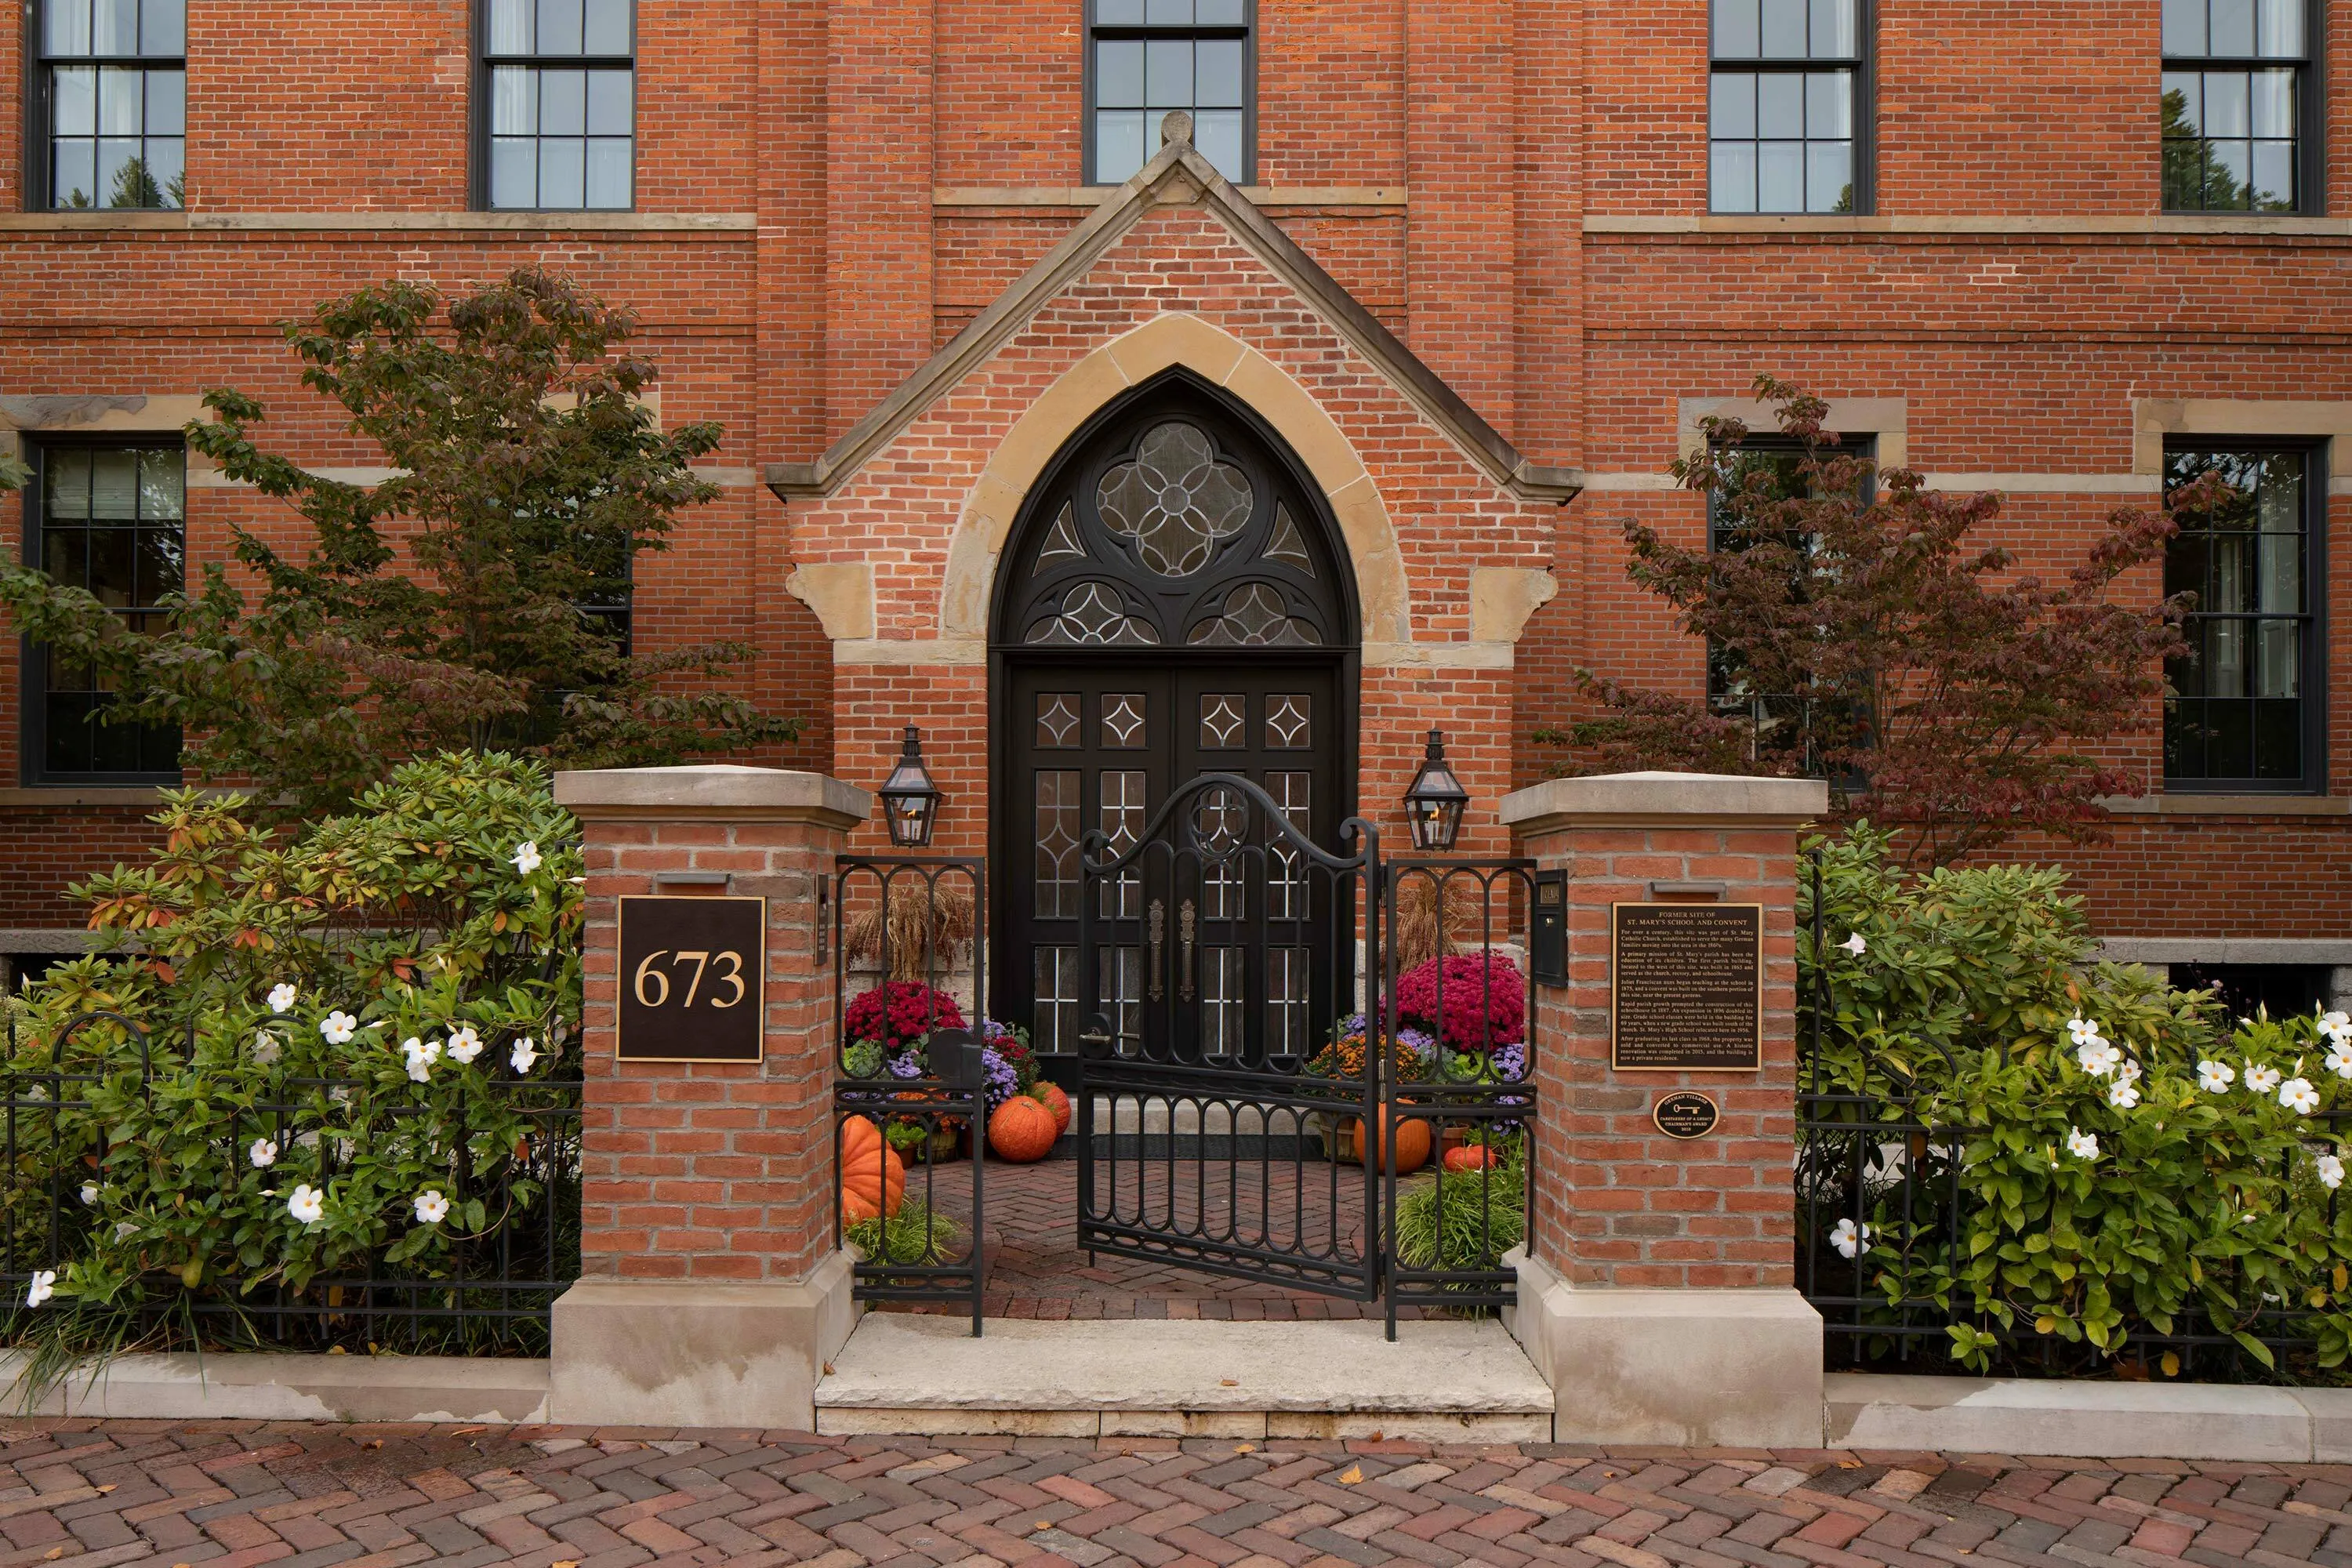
(339, 1026)
(2335, 1020)
(1854, 944)
(2099, 1058)
(2124, 1095)
(281, 996)
(2297, 1095)
(263, 1154)
(125, 1230)
(2261, 1079)
(44, 1286)
(2215, 1076)
(421, 1054)
(2128, 1073)
(1849, 1238)
(2084, 1031)
(2331, 1171)
(2081, 1144)
(526, 857)
(431, 1206)
(89, 1195)
(267, 1048)
(307, 1203)
(525, 1053)
(2338, 1059)
(465, 1045)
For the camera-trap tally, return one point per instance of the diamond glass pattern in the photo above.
(1175, 500)
(1058, 843)
(1289, 721)
(1255, 616)
(1122, 720)
(1224, 720)
(1058, 721)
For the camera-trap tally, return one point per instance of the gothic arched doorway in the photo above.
(1174, 599)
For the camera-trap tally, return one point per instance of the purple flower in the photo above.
(1511, 1061)
(1003, 1079)
(1422, 1045)
(906, 1064)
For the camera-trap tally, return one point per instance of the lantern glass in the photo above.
(1434, 804)
(910, 802)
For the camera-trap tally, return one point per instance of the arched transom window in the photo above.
(1175, 526)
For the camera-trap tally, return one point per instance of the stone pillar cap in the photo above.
(1663, 798)
(711, 791)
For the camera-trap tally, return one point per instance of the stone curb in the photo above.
(2087, 1420)
(267, 1387)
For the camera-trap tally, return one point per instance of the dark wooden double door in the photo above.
(1101, 742)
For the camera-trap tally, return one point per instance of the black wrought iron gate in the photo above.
(1216, 1112)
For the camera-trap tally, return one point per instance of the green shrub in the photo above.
(2062, 1153)
(371, 1009)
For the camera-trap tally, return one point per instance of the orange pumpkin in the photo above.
(873, 1178)
(1049, 1094)
(1470, 1157)
(1022, 1131)
(1411, 1145)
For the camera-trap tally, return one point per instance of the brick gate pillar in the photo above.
(711, 1291)
(1656, 1291)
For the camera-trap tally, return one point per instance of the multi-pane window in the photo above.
(560, 77)
(2239, 717)
(2233, 104)
(112, 84)
(109, 519)
(1787, 102)
(1149, 57)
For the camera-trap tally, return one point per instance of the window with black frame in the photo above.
(2239, 717)
(1732, 691)
(1146, 58)
(558, 79)
(110, 519)
(111, 104)
(2234, 105)
(1788, 107)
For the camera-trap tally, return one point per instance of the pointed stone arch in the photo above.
(1176, 339)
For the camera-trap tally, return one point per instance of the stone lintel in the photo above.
(1657, 799)
(696, 1353)
(711, 792)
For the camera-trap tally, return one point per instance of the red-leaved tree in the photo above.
(1858, 633)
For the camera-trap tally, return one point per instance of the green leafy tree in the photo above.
(466, 601)
(1866, 639)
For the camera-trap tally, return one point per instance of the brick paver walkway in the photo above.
(1035, 1269)
(81, 1494)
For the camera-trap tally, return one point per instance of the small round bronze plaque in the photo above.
(1685, 1115)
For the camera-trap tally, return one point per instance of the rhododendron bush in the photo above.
(2058, 1164)
(342, 1055)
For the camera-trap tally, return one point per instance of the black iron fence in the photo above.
(921, 1066)
(488, 1292)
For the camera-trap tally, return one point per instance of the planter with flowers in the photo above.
(890, 1030)
(1461, 1024)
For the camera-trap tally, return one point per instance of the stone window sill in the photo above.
(2179, 805)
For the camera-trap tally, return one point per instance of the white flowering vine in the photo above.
(44, 1286)
(421, 1054)
(89, 1195)
(526, 857)
(2262, 1080)
(524, 1053)
(338, 1028)
(1854, 944)
(281, 996)
(308, 1204)
(2124, 1095)
(2297, 1095)
(2215, 1077)
(2331, 1171)
(267, 1048)
(431, 1206)
(1849, 1237)
(2097, 1057)
(465, 1045)
(2082, 1144)
(263, 1152)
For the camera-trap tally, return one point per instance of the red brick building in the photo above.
(1335, 415)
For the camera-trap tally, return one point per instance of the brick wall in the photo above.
(1617, 1201)
(710, 1170)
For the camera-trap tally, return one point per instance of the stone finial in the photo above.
(1176, 127)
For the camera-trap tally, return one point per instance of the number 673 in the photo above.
(652, 985)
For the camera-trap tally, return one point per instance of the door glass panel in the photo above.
(1123, 824)
(1286, 886)
(1058, 721)
(1122, 721)
(1054, 1024)
(1287, 1028)
(1220, 1001)
(1224, 720)
(1286, 545)
(1290, 721)
(1058, 843)
(1120, 970)
(1061, 545)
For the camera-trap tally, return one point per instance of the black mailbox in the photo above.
(1548, 929)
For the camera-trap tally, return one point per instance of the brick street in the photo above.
(79, 1494)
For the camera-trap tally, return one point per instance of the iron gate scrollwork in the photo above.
(1221, 942)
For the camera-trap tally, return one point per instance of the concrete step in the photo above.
(1141, 1377)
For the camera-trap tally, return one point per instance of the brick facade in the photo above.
(828, 193)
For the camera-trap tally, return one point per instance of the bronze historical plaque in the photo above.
(1684, 1114)
(1685, 987)
(690, 980)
